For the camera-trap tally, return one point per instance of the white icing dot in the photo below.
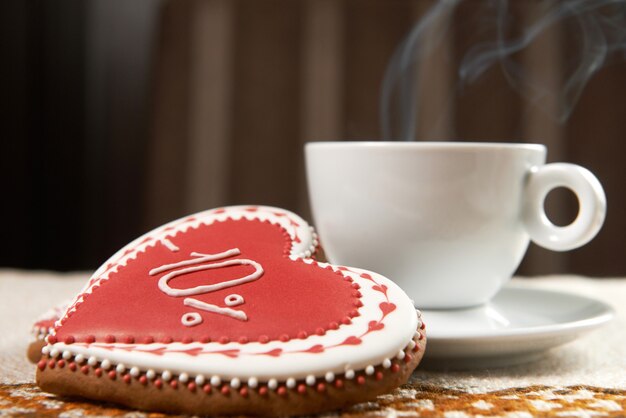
(310, 380)
(330, 376)
(199, 380)
(215, 380)
(120, 368)
(150, 374)
(307, 253)
(45, 350)
(92, 361)
(235, 383)
(349, 374)
(411, 345)
(134, 372)
(67, 355)
(166, 375)
(419, 324)
(400, 355)
(419, 313)
(291, 383)
(253, 382)
(386, 363)
(190, 319)
(233, 300)
(272, 384)
(54, 353)
(183, 377)
(369, 370)
(106, 364)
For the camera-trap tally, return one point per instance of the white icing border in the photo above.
(376, 347)
(400, 327)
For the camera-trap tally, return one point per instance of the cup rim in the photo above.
(434, 145)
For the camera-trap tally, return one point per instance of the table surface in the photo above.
(586, 377)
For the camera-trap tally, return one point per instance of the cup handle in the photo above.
(591, 206)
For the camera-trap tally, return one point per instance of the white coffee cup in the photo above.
(448, 221)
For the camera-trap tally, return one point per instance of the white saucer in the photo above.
(517, 326)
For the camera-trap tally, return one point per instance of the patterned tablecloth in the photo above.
(584, 378)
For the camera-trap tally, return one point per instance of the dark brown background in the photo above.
(118, 116)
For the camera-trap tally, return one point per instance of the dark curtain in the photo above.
(119, 116)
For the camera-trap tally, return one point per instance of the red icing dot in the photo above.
(302, 389)
(61, 364)
(354, 313)
(408, 358)
(348, 279)
(320, 331)
(225, 390)
(243, 340)
(356, 294)
(69, 339)
(360, 380)
(264, 339)
(90, 339)
(416, 348)
(174, 384)
(423, 326)
(421, 337)
(51, 364)
(143, 380)
(98, 372)
(127, 378)
(52, 339)
(358, 303)
(187, 340)
(379, 375)
(395, 368)
(129, 339)
(166, 340)
(158, 384)
(243, 392)
(321, 387)
(191, 386)
(263, 390)
(224, 340)
(356, 286)
(284, 338)
(41, 365)
(206, 388)
(147, 340)
(205, 339)
(84, 369)
(302, 335)
(109, 339)
(346, 320)
(338, 383)
(282, 391)
(333, 325)
(112, 374)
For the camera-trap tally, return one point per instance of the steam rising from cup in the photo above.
(595, 29)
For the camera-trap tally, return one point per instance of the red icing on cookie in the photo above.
(288, 300)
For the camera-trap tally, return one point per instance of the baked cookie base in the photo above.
(34, 350)
(64, 376)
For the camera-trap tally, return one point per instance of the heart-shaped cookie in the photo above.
(42, 327)
(226, 311)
